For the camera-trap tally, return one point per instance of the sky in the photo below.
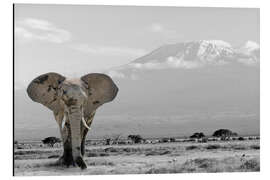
(77, 39)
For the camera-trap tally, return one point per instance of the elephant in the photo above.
(74, 103)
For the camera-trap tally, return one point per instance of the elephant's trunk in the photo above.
(75, 116)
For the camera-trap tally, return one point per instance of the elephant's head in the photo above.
(77, 99)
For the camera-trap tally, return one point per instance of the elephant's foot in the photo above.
(81, 163)
(66, 161)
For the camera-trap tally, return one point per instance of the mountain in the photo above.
(190, 55)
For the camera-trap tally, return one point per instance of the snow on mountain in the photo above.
(203, 50)
(190, 55)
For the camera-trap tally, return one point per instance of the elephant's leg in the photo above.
(66, 158)
(84, 131)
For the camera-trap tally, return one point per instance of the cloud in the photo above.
(160, 29)
(109, 50)
(156, 27)
(116, 74)
(171, 62)
(249, 61)
(29, 29)
(174, 62)
(251, 45)
(147, 66)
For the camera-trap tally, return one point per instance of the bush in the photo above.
(241, 139)
(213, 146)
(251, 164)
(135, 138)
(104, 154)
(51, 141)
(197, 135)
(255, 147)
(192, 147)
(224, 133)
(164, 140)
(110, 149)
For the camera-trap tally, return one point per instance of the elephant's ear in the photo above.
(43, 89)
(100, 89)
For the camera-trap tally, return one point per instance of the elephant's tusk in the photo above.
(84, 123)
(63, 122)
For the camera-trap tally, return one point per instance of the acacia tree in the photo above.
(197, 135)
(50, 141)
(224, 133)
(135, 138)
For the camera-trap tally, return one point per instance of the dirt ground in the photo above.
(188, 157)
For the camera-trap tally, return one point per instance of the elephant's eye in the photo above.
(64, 92)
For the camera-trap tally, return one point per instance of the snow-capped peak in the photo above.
(219, 43)
(213, 49)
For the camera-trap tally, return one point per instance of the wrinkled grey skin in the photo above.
(74, 103)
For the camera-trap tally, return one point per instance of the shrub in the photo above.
(110, 149)
(191, 147)
(251, 164)
(197, 135)
(224, 133)
(213, 146)
(241, 139)
(104, 154)
(165, 140)
(135, 138)
(255, 147)
(51, 141)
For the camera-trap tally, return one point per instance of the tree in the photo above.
(165, 139)
(241, 139)
(224, 133)
(135, 138)
(51, 141)
(197, 135)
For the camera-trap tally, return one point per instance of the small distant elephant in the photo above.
(74, 103)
